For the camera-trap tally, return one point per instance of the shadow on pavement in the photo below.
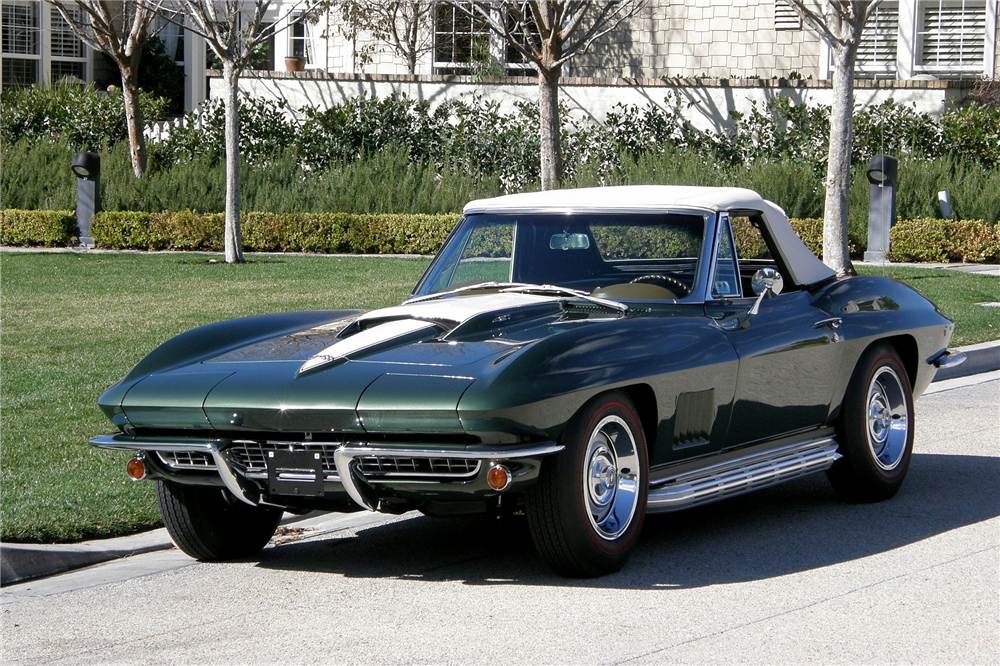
(791, 528)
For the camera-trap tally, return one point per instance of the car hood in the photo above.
(398, 369)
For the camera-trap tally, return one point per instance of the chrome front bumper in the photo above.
(345, 456)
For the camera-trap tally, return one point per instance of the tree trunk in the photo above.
(838, 168)
(548, 113)
(234, 236)
(133, 119)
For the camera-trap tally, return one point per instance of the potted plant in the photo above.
(295, 63)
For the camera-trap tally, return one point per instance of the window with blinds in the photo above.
(19, 43)
(68, 55)
(879, 39)
(19, 35)
(951, 37)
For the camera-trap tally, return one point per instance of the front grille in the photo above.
(186, 459)
(249, 458)
(418, 467)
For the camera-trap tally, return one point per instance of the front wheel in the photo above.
(587, 508)
(210, 525)
(875, 429)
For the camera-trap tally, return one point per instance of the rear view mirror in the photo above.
(566, 241)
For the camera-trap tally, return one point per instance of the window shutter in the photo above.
(65, 43)
(952, 34)
(785, 16)
(879, 39)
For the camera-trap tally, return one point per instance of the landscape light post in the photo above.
(882, 174)
(87, 168)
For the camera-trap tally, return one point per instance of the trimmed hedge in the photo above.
(50, 228)
(270, 232)
(944, 240)
(349, 233)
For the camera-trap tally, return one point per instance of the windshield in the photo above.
(612, 255)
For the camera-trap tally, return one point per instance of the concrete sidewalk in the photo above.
(24, 562)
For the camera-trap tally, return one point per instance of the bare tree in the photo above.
(233, 30)
(120, 29)
(399, 24)
(548, 33)
(840, 23)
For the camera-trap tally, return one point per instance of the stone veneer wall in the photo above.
(706, 102)
(718, 38)
(732, 39)
(676, 38)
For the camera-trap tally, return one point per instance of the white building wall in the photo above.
(706, 103)
(711, 38)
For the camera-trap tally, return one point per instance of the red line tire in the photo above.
(587, 508)
(875, 429)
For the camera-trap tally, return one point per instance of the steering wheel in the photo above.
(672, 283)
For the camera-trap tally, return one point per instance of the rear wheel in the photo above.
(209, 524)
(587, 508)
(875, 429)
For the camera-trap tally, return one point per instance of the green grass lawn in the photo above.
(956, 294)
(73, 324)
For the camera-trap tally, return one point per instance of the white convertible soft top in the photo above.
(805, 267)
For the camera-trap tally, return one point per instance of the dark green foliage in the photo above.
(944, 240)
(363, 125)
(160, 76)
(395, 155)
(972, 133)
(81, 117)
(617, 242)
(51, 228)
(36, 175)
(272, 232)
(265, 132)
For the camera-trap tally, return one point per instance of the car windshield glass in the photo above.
(589, 252)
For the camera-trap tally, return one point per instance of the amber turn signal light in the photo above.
(498, 477)
(136, 469)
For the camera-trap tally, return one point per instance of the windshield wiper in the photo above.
(565, 291)
(468, 287)
(525, 288)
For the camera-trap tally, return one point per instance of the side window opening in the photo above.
(754, 250)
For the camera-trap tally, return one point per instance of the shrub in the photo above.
(129, 230)
(296, 232)
(84, 118)
(399, 234)
(160, 76)
(272, 232)
(36, 175)
(50, 228)
(944, 240)
(265, 131)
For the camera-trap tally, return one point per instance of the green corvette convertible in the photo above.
(584, 356)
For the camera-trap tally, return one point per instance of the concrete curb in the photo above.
(984, 357)
(23, 562)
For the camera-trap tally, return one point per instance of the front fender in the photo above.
(535, 391)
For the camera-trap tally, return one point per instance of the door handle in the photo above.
(831, 323)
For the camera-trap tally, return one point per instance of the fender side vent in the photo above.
(693, 419)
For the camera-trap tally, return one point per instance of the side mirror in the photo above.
(766, 282)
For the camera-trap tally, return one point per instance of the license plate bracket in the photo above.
(295, 473)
